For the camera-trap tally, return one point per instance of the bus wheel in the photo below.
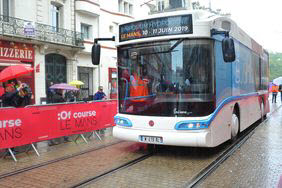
(234, 126)
(262, 111)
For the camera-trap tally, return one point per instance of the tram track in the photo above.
(194, 180)
(5, 175)
(203, 174)
(112, 171)
(80, 168)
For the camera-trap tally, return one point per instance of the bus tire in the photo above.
(262, 111)
(234, 126)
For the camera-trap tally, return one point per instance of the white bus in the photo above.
(188, 78)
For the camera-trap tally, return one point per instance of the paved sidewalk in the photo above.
(48, 153)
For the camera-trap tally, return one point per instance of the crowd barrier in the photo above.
(21, 126)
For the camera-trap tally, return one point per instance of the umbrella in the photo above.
(76, 83)
(12, 72)
(277, 81)
(63, 86)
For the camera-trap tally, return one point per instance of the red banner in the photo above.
(20, 126)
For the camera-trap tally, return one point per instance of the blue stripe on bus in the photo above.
(208, 121)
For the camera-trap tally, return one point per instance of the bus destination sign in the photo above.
(171, 25)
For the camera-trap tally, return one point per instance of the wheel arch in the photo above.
(236, 110)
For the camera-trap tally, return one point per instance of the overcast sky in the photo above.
(261, 19)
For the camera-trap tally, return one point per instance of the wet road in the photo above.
(76, 169)
(169, 167)
(257, 163)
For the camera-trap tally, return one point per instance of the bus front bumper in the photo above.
(196, 138)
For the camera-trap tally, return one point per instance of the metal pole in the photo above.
(12, 154)
(34, 148)
(82, 136)
(95, 132)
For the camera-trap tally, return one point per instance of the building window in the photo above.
(86, 31)
(176, 4)
(130, 9)
(5, 10)
(125, 7)
(120, 5)
(111, 29)
(55, 17)
(160, 5)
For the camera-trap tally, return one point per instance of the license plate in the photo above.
(151, 139)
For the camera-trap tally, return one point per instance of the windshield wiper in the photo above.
(167, 51)
(176, 44)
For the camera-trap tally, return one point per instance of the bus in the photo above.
(188, 78)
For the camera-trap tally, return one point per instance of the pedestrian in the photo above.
(58, 98)
(70, 96)
(25, 92)
(2, 91)
(11, 98)
(100, 95)
(274, 93)
(50, 93)
(280, 90)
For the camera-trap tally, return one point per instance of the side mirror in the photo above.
(95, 54)
(228, 49)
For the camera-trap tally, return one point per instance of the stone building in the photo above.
(55, 38)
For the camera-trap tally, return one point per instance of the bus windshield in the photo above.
(168, 78)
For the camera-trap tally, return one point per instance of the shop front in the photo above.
(15, 53)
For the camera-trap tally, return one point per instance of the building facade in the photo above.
(100, 19)
(55, 38)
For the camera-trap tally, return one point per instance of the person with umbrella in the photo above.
(58, 98)
(278, 83)
(8, 76)
(11, 97)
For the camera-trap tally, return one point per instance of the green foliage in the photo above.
(275, 61)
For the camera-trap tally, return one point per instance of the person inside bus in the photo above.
(274, 93)
(138, 87)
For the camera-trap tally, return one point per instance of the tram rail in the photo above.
(126, 165)
(202, 175)
(5, 175)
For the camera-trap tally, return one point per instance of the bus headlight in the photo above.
(121, 121)
(191, 125)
